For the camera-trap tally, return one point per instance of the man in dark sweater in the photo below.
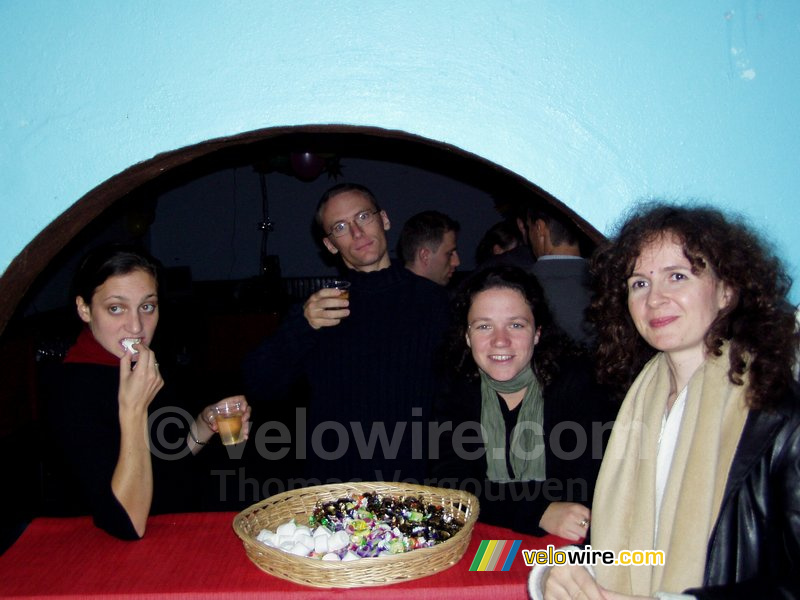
(367, 361)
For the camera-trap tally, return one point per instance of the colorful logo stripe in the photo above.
(495, 555)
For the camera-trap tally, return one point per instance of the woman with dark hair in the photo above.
(498, 239)
(521, 420)
(704, 458)
(102, 396)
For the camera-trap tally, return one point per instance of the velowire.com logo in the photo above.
(495, 555)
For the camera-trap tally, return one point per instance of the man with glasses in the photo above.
(366, 361)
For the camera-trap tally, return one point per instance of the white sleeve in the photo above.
(538, 572)
(535, 582)
(536, 593)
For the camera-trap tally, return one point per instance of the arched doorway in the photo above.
(173, 167)
(45, 256)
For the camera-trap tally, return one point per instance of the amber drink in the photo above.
(228, 416)
(342, 286)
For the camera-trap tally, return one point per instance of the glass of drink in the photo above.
(340, 284)
(228, 415)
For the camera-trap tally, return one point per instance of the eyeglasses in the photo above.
(365, 217)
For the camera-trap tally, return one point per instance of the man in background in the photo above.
(561, 270)
(428, 246)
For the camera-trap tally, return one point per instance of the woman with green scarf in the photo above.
(521, 422)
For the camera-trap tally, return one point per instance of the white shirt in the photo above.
(667, 440)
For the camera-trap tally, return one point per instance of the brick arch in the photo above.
(363, 142)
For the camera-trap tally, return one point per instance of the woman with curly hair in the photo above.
(522, 420)
(704, 458)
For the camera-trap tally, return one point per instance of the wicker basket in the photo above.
(382, 570)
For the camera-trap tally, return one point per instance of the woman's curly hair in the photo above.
(759, 322)
(553, 344)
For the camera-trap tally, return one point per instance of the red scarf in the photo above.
(88, 350)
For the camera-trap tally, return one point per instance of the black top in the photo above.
(370, 380)
(510, 418)
(83, 417)
(520, 256)
(575, 411)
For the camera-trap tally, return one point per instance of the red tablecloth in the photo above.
(198, 555)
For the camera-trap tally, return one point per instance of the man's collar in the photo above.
(559, 257)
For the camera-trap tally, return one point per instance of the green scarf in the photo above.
(527, 439)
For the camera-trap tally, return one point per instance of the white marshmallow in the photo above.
(321, 544)
(322, 531)
(285, 543)
(350, 556)
(306, 540)
(338, 540)
(331, 557)
(128, 343)
(299, 549)
(287, 528)
(265, 536)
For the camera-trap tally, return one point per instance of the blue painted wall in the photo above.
(599, 103)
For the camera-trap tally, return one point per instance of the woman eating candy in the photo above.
(704, 458)
(103, 394)
(521, 419)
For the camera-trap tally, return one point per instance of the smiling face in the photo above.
(363, 247)
(672, 307)
(123, 307)
(501, 332)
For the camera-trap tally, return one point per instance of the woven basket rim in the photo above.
(382, 570)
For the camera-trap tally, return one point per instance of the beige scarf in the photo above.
(623, 517)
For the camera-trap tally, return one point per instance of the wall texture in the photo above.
(598, 103)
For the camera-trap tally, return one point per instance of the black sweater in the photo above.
(370, 379)
(83, 417)
(572, 403)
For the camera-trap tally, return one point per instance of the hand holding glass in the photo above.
(341, 285)
(228, 416)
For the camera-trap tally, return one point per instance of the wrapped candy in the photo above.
(363, 527)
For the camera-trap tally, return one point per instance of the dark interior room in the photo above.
(231, 224)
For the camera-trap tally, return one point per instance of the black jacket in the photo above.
(754, 549)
